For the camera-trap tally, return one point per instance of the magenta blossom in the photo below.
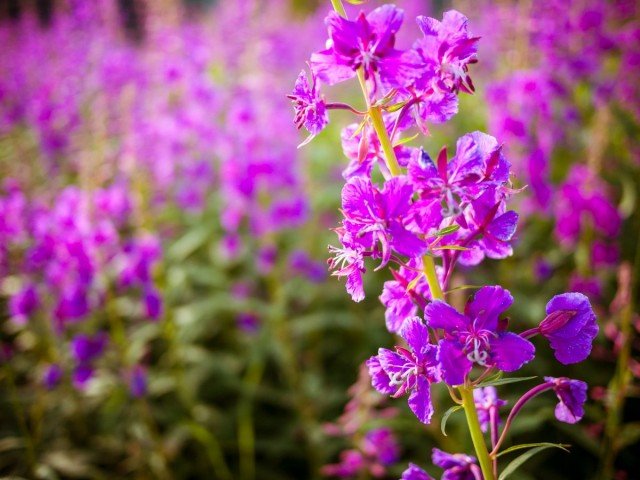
(477, 336)
(367, 43)
(447, 50)
(414, 472)
(572, 394)
(488, 405)
(310, 109)
(449, 186)
(457, 466)
(408, 370)
(488, 230)
(402, 296)
(364, 151)
(377, 217)
(348, 261)
(583, 197)
(570, 327)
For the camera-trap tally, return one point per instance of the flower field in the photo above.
(296, 239)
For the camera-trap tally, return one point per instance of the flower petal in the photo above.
(510, 351)
(439, 314)
(454, 363)
(420, 400)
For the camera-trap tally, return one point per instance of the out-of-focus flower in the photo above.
(487, 404)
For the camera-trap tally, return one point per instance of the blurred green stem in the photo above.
(246, 430)
(21, 418)
(619, 385)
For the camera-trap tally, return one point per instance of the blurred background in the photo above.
(165, 306)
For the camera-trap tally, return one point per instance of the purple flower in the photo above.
(266, 259)
(408, 370)
(375, 216)
(402, 296)
(85, 348)
(570, 327)
(381, 444)
(367, 43)
(348, 262)
(138, 381)
(414, 472)
(477, 336)
(488, 229)
(487, 404)
(23, 304)
(456, 466)
(364, 151)
(449, 186)
(52, 376)
(301, 263)
(572, 395)
(351, 463)
(248, 322)
(72, 304)
(584, 196)
(82, 374)
(152, 303)
(447, 49)
(310, 109)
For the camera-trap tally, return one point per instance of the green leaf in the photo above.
(451, 247)
(504, 381)
(356, 2)
(360, 127)
(446, 416)
(448, 230)
(517, 463)
(402, 141)
(465, 287)
(396, 106)
(561, 446)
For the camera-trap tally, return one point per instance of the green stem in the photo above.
(476, 433)
(21, 418)
(338, 7)
(429, 268)
(620, 383)
(385, 141)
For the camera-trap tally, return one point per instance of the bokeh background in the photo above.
(166, 310)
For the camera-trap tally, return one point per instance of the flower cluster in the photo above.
(69, 257)
(428, 208)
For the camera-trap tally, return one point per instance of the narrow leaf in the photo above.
(360, 127)
(451, 247)
(517, 463)
(396, 106)
(447, 230)
(504, 381)
(561, 446)
(446, 416)
(402, 141)
(464, 287)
